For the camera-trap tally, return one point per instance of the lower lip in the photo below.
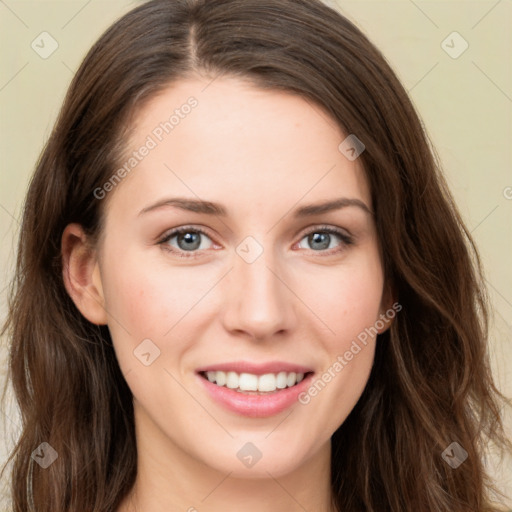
(256, 406)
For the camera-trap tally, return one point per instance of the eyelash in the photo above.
(345, 239)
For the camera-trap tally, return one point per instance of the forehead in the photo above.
(230, 142)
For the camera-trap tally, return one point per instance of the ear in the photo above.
(388, 309)
(81, 274)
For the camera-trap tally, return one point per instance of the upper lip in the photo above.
(256, 368)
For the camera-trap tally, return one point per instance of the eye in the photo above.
(322, 238)
(187, 239)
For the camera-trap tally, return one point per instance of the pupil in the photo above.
(192, 240)
(320, 240)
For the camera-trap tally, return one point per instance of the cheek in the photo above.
(347, 299)
(149, 299)
(349, 345)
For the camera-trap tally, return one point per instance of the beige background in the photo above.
(465, 103)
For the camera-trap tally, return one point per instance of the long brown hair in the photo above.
(431, 383)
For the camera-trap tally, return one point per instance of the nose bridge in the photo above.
(257, 301)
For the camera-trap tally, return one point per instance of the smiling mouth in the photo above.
(251, 384)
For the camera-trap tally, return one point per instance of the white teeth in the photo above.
(267, 382)
(282, 380)
(220, 378)
(232, 380)
(249, 382)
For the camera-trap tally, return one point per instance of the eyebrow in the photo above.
(209, 208)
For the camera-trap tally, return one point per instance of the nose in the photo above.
(257, 299)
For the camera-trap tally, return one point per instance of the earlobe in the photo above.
(383, 323)
(81, 274)
(388, 310)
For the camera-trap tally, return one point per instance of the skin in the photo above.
(261, 154)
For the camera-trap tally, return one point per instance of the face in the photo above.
(256, 292)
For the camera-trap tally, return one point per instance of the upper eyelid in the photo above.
(183, 229)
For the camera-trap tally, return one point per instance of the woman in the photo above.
(258, 293)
